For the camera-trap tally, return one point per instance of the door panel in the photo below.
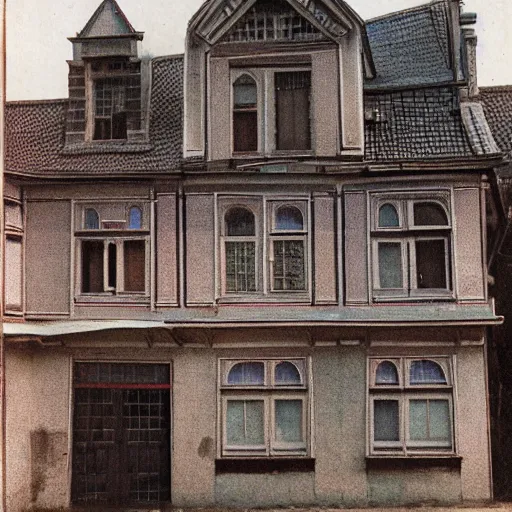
(121, 434)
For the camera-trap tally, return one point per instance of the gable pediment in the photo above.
(324, 17)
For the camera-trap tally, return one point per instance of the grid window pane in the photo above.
(240, 266)
(439, 416)
(245, 422)
(289, 273)
(390, 265)
(429, 420)
(418, 420)
(385, 420)
(288, 417)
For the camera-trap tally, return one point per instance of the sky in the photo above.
(37, 32)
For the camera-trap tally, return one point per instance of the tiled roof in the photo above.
(411, 48)
(35, 134)
(417, 124)
(497, 103)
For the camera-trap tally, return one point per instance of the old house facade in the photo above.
(254, 274)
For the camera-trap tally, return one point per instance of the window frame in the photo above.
(269, 394)
(267, 110)
(404, 392)
(407, 234)
(112, 232)
(264, 208)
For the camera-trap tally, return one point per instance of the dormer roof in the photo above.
(108, 20)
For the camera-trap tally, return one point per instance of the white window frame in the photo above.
(407, 234)
(264, 208)
(118, 237)
(266, 110)
(403, 393)
(269, 393)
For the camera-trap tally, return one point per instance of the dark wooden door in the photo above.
(121, 434)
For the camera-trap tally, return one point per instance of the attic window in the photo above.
(109, 109)
(273, 21)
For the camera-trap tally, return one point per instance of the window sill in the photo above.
(414, 298)
(299, 298)
(265, 465)
(112, 299)
(413, 461)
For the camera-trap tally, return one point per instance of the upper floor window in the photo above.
(411, 246)
(109, 108)
(263, 254)
(271, 111)
(411, 406)
(264, 408)
(245, 115)
(112, 261)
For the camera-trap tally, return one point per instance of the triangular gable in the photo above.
(108, 20)
(330, 18)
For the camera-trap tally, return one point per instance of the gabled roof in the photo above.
(107, 20)
(411, 47)
(35, 135)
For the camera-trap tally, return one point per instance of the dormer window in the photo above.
(109, 109)
(245, 115)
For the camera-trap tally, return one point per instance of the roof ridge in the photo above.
(495, 88)
(168, 57)
(409, 10)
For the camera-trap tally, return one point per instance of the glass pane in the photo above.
(429, 214)
(439, 416)
(244, 422)
(112, 265)
(388, 216)
(418, 420)
(240, 222)
(135, 218)
(92, 220)
(250, 373)
(289, 272)
(385, 420)
(287, 373)
(426, 371)
(390, 265)
(92, 266)
(289, 218)
(288, 421)
(431, 264)
(245, 92)
(386, 373)
(240, 266)
(134, 266)
(245, 131)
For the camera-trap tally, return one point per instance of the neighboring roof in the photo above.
(107, 20)
(411, 47)
(497, 104)
(35, 134)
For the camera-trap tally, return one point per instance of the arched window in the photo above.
(426, 371)
(92, 219)
(245, 115)
(429, 214)
(386, 374)
(388, 216)
(249, 373)
(240, 252)
(287, 373)
(135, 218)
(240, 222)
(289, 218)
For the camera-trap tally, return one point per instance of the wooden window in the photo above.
(92, 266)
(110, 108)
(411, 406)
(245, 115)
(292, 92)
(92, 219)
(240, 250)
(272, 419)
(411, 247)
(134, 265)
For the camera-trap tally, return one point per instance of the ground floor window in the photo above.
(121, 433)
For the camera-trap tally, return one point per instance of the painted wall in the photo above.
(38, 419)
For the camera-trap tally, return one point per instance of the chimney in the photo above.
(469, 39)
